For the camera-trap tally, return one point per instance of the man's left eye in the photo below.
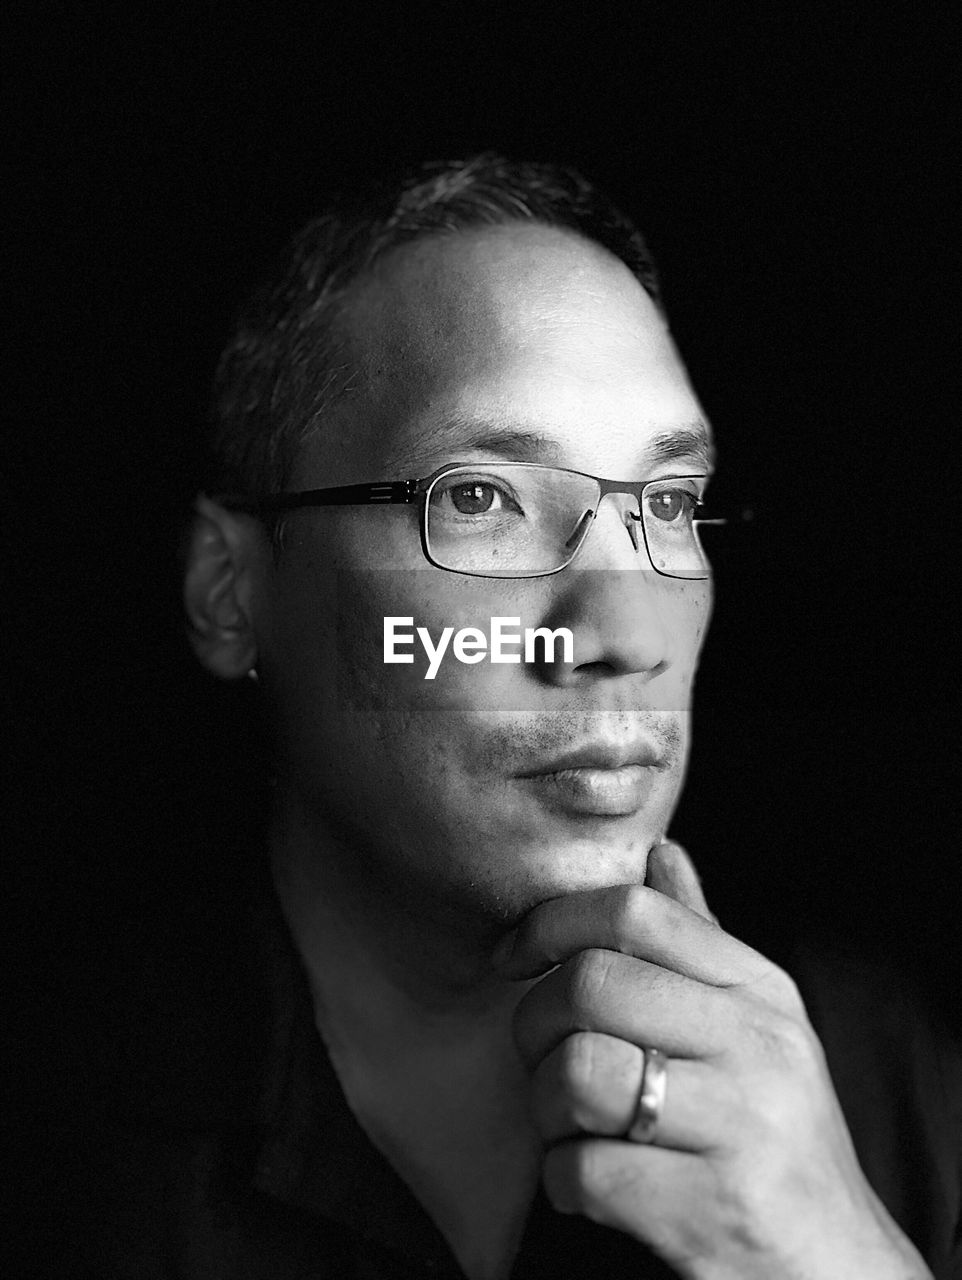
(670, 504)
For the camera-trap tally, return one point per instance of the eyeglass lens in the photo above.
(509, 520)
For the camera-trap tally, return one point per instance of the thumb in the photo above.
(672, 872)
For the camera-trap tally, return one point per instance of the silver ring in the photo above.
(651, 1096)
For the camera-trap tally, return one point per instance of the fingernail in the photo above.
(501, 955)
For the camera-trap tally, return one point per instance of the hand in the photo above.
(751, 1170)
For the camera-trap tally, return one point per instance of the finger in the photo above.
(672, 872)
(634, 919)
(590, 1084)
(663, 1197)
(617, 995)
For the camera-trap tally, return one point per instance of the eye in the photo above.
(473, 498)
(478, 498)
(672, 505)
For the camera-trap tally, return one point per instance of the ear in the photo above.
(222, 551)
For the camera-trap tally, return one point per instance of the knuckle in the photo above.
(582, 1091)
(743, 1204)
(588, 976)
(771, 1113)
(578, 1064)
(784, 989)
(630, 910)
(592, 1177)
(793, 1042)
(778, 1081)
(781, 1039)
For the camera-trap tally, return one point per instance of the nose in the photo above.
(617, 607)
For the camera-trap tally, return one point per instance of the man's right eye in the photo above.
(478, 498)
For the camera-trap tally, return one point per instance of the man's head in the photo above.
(287, 362)
(491, 313)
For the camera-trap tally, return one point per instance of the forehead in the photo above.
(525, 326)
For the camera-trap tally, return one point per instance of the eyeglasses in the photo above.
(522, 519)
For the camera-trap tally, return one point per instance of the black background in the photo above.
(792, 170)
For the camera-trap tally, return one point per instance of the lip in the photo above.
(598, 779)
(599, 756)
(611, 793)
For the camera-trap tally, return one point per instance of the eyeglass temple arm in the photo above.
(399, 491)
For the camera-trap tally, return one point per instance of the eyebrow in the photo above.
(683, 442)
(693, 440)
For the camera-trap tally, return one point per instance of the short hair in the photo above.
(286, 363)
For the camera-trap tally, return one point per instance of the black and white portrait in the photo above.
(483, 481)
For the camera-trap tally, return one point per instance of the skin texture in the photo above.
(407, 841)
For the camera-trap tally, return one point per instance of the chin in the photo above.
(588, 864)
(505, 890)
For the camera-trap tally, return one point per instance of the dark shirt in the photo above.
(234, 1155)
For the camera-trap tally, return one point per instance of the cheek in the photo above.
(430, 608)
(704, 613)
(688, 617)
(695, 604)
(391, 711)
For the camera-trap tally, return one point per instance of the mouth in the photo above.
(601, 781)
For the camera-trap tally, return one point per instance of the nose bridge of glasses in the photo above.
(627, 504)
(626, 493)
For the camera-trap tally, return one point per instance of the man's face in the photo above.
(518, 343)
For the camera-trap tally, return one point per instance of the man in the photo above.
(524, 1045)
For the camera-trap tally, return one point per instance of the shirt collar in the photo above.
(314, 1154)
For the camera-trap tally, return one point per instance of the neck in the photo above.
(418, 1028)
(384, 957)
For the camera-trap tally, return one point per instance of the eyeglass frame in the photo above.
(408, 492)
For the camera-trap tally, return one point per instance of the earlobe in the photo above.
(217, 592)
